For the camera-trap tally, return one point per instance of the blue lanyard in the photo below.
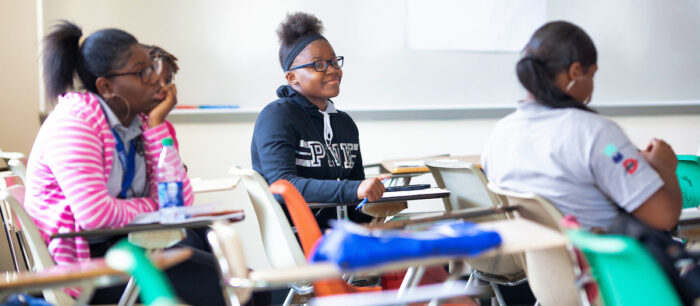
(128, 161)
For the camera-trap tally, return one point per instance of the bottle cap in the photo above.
(167, 141)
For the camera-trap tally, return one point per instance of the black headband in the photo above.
(301, 44)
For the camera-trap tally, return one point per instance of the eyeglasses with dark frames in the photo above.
(322, 65)
(148, 75)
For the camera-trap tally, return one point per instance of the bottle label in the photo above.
(170, 194)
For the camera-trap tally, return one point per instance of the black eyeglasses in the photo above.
(322, 65)
(148, 75)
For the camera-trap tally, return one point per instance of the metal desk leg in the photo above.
(130, 293)
(342, 213)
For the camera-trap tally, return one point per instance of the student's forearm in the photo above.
(672, 187)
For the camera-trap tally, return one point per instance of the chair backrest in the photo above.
(19, 167)
(532, 207)
(466, 183)
(10, 155)
(154, 284)
(20, 254)
(616, 262)
(551, 273)
(280, 245)
(688, 172)
(14, 196)
(309, 233)
(307, 227)
(226, 246)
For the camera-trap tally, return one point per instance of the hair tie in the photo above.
(300, 45)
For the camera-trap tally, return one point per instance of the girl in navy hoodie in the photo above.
(302, 137)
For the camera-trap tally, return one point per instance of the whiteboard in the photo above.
(475, 25)
(228, 50)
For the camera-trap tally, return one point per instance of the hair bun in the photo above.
(297, 25)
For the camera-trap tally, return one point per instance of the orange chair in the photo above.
(309, 233)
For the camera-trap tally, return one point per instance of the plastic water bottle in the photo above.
(171, 199)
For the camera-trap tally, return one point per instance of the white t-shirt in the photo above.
(580, 161)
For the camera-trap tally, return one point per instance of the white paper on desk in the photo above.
(410, 193)
(409, 164)
(154, 216)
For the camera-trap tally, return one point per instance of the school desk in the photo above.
(135, 229)
(464, 214)
(416, 166)
(517, 236)
(390, 204)
(94, 272)
(153, 236)
(395, 196)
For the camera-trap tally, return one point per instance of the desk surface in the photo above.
(396, 196)
(440, 216)
(393, 165)
(199, 223)
(68, 275)
(517, 235)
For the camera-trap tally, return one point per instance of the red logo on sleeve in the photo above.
(630, 165)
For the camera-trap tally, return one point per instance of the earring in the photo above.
(571, 84)
(128, 108)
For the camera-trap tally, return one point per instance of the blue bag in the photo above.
(23, 300)
(352, 246)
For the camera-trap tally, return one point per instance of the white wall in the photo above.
(19, 110)
(228, 49)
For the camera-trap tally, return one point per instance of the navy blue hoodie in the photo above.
(288, 144)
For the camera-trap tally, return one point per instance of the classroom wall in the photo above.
(18, 86)
(647, 48)
(19, 106)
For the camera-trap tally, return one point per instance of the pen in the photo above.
(364, 201)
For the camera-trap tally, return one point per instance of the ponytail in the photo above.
(551, 50)
(61, 56)
(100, 53)
(534, 76)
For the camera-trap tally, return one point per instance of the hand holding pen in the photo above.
(370, 190)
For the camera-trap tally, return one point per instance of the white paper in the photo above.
(409, 164)
(406, 193)
(473, 25)
(154, 217)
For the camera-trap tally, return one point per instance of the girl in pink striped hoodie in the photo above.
(83, 172)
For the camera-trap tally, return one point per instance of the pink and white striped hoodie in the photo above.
(67, 173)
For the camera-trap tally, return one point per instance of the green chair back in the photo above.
(155, 287)
(688, 173)
(625, 272)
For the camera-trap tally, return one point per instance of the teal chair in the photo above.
(155, 287)
(625, 272)
(688, 173)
